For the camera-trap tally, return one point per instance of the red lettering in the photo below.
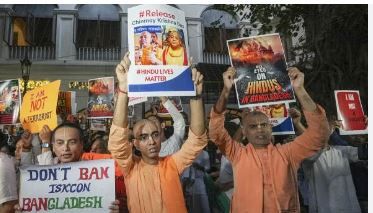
(43, 203)
(37, 104)
(94, 172)
(83, 173)
(104, 172)
(245, 99)
(26, 204)
(86, 174)
(34, 204)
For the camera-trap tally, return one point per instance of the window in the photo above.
(33, 25)
(219, 26)
(98, 26)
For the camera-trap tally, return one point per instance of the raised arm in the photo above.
(173, 144)
(217, 133)
(197, 138)
(296, 117)
(177, 117)
(46, 157)
(119, 145)
(120, 118)
(317, 133)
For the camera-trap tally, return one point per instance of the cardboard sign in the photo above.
(262, 76)
(10, 101)
(350, 112)
(157, 35)
(101, 98)
(85, 186)
(39, 107)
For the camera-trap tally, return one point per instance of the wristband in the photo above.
(124, 92)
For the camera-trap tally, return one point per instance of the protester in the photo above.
(265, 175)
(67, 143)
(152, 182)
(331, 188)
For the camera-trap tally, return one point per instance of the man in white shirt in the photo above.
(331, 188)
(8, 180)
(173, 143)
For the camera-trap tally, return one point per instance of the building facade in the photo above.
(74, 43)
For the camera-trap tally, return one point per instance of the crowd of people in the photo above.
(182, 172)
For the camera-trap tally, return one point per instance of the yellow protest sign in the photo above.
(39, 107)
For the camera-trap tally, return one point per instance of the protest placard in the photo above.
(161, 110)
(261, 70)
(98, 125)
(39, 107)
(101, 97)
(157, 35)
(66, 103)
(10, 101)
(350, 112)
(85, 186)
(136, 100)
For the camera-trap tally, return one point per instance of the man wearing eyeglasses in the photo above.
(265, 175)
(153, 182)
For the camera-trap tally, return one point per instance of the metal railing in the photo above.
(33, 52)
(216, 58)
(98, 54)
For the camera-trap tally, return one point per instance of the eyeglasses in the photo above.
(145, 137)
(257, 126)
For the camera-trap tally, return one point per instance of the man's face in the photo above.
(257, 130)
(145, 39)
(159, 126)
(154, 38)
(148, 140)
(67, 145)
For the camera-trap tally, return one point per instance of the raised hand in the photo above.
(295, 115)
(197, 78)
(45, 134)
(26, 140)
(296, 78)
(228, 78)
(122, 71)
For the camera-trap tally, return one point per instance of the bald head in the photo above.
(257, 128)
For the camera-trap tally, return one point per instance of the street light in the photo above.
(25, 68)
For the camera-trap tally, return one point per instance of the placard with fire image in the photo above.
(10, 101)
(101, 98)
(175, 100)
(261, 71)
